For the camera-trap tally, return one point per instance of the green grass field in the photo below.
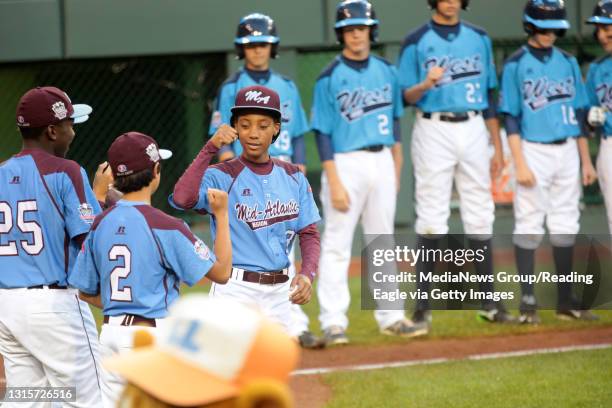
(573, 379)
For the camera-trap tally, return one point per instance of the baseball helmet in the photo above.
(545, 15)
(602, 14)
(433, 4)
(356, 12)
(256, 28)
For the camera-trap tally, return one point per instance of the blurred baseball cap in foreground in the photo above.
(48, 105)
(133, 152)
(208, 350)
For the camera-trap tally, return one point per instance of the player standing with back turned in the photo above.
(447, 71)
(544, 102)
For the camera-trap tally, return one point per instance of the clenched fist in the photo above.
(217, 200)
(434, 76)
(224, 135)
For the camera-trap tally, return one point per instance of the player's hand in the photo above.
(300, 290)
(589, 175)
(217, 200)
(433, 76)
(597, 116)
(224, 135)
(525, 177)
(340, 198)
(103, 180)
(497, 164)
(302, 168)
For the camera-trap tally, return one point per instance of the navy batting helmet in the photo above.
(356, 12)
(602, 14)
(433, 4)
(545, 15)
(256, 28)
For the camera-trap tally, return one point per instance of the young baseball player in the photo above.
(136, 257)
(544, 101)
(599, 89)
(355, 113)
(257, 43)
(47, 335)
(447, 72)
(270, 203)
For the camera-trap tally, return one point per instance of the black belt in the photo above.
(135, 320)
(452, 117)
(265, 278)
(52, 286)
(373, 149)
(554, 142)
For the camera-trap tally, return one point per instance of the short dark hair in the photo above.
(134, 182)
(32, 133)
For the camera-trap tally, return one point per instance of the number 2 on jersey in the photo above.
(120, 272)
(383, 124)
(27, 227)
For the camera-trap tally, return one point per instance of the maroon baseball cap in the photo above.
(257, 97)
(133, 152)
(48, 105)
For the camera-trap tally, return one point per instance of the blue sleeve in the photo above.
(324, 146)
(322, 107)
(213, 178)
(582, 100)
(85, 276)
(510, 93)
(80, 203)
(590, 86)
(408, 67)
(398, 98)
(397, 131)
(491, 110)
(491, 70)
(299, 123)
(309, 213)
(187, 255)
(223, 104)
(512, 125)
(299, 150)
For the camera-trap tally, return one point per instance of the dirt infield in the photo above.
(311, 392)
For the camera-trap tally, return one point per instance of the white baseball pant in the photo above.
(369, 178)
(554, 199)
(48, 338)
(444, 152)
(604, 173)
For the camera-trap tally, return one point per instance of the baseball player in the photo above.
(447, 72)
(545, 102)
(47, 335)
(270, 204)
(599, 90)
(136, 257)
(257, 42)
(355, 113)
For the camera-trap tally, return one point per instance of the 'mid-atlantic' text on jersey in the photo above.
(357, 107)
(544, 90)
(294, 122)
(266, 210)
(599, 88)
(45, 202)
(136, 257)
(465, 53)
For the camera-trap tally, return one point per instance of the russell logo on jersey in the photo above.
(540, 93)
(356, 103)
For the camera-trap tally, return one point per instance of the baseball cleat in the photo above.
(335, 336)
(495, 316)
(570, 314)
(406, 328)
(529, 317)
(422, 317)
(308, 340)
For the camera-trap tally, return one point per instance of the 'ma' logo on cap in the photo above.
(257, 97)
(59, 109)
(152, 152)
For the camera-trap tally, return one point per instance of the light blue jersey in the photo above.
(268, 205)
(294, 122)
(45, 202)
(464, 51)
(544, 91)
(599, 88)
(357, 107)
(136, 257)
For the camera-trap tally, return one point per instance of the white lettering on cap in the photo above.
(257, 97)
(59, 109)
